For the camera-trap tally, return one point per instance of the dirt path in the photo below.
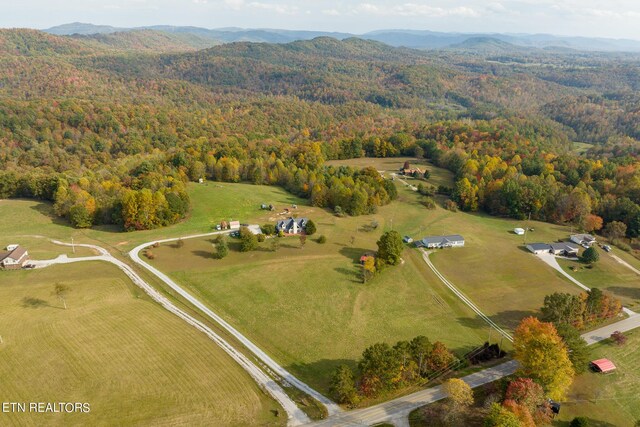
(295, 415)
(625, 263)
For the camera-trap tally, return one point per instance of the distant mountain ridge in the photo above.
(416, 39)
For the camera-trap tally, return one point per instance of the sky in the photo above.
(593, 18)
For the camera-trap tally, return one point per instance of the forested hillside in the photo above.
(111, 127)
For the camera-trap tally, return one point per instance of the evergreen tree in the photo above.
(590, 256)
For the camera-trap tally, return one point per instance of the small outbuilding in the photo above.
(234, 225)
(603, 365)
(519, 231)
(539, 248)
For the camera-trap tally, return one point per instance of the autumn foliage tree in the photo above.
(543, 356)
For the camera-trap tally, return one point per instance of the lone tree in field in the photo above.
(590, 256)
(222, 248)
(390, 248)
(310, 228)
(543, 356)
(179, 243)
(60, 290)
(303, 240)
(275, 245)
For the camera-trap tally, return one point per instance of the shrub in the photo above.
(428, 203)
(269, 229)
(451, 205)
(619, 338)
(338, 211)
(249, 241)
(321, 239)
(280, 233)
(579, 422)
(261, 237)
(621, 244)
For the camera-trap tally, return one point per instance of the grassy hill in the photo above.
(132, 361)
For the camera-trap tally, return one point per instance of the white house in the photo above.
(583, 239)
(450, 241)
(539, 248)
(14, 257)
(291, 225)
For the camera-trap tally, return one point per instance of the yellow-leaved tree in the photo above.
(543, 356)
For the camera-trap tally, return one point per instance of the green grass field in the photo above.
(608, 275)
(134, 362)
(309, 308)
(608, 400)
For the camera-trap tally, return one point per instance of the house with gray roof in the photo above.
(291, 225)
(564, 248)
(539, 248)
(584, 240)
(449, 241)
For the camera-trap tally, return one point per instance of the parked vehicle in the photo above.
(606, 248)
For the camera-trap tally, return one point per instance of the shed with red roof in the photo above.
(603, 365)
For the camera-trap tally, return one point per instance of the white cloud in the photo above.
(280, 8)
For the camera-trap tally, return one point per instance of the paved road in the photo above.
(331, 406)
(398, 410)
(295, 415)
(551, 260)
(605, 332)
(463, 297)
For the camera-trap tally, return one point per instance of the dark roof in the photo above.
(539, 246)
(563, 246)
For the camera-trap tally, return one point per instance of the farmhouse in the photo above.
(583, 239)
(291, 225)
(564, 248)
(14, 257)
(539, 248)
(450, 241)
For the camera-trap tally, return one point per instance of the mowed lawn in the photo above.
(308, 307)
(608, 275)
(608, 400)
(31, 223)
(132, 361)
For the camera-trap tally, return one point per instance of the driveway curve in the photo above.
(332, 407)
(295, 415)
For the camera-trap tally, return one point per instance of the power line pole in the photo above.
(526, 228)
